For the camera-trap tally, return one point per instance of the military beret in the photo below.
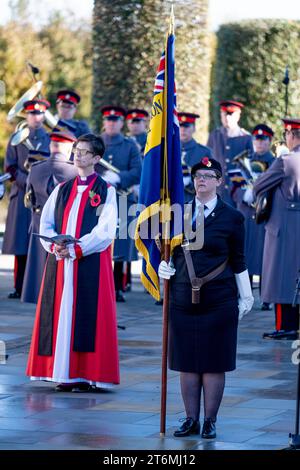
(207, 163)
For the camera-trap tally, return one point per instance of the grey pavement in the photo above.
(257, 411)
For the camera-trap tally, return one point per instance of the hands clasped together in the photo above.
(62, 252)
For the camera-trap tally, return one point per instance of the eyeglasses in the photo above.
(198, 176)
(82, 152)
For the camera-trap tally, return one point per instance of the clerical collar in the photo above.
(85, 180)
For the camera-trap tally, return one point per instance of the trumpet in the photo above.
(110, 167)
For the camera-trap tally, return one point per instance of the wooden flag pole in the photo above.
(164, 362)
(166, 219)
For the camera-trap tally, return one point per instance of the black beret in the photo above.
(207, 163)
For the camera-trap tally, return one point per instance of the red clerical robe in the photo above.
(75, 332)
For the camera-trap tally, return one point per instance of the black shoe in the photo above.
(265, 306)
(14, 295)
(119, 296)
(282, 334)
(209, 429)
(64, 387)
(189, 426)
(159, 302)
(81, 387)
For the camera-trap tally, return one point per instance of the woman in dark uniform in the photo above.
(203, 332)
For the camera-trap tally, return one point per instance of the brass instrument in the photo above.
(28, 199)
(250, 168)
(253, 168)
(18, 108)
(280, 148)
(3, 178)
(110, 167)
(21, 137)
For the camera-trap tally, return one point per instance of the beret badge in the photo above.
(205, 161)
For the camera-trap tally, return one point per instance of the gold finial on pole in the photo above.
(172, 20)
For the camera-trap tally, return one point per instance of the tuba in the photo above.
(18, 111)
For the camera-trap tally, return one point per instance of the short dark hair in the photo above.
(95, 141)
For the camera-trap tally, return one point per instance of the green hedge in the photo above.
(249, 66)
(128, 39)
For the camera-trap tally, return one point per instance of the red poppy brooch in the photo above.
(205, 161)
(95, 199)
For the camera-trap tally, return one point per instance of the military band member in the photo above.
(136, 120)
(74, 339)
(203, 328)
(228, 141)
(16, 236)
(255, 233)
(191, 151)
(67, 102)
(281, 259)
(42, 179)
(123, 153)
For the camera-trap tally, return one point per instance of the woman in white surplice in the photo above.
(75, 333)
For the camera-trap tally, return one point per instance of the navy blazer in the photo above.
(223, 239)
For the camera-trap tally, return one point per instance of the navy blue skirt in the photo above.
(203, 337)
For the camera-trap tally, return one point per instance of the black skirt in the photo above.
(203, 337)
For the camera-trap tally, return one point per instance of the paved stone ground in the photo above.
(257, 411)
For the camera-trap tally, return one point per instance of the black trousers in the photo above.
(286, 317)
(19, 271)
(118, 275)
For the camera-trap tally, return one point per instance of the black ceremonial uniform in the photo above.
(203, 336)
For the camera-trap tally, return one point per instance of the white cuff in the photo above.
(243, 284)
(244, 287)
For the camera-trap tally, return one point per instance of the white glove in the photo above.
(165, 270)
(248, 197)
(186, 180)
(246, 299)
(281, 150)
(111, 177)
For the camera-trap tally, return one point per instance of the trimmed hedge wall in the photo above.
(128, 38)
(249, 66)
